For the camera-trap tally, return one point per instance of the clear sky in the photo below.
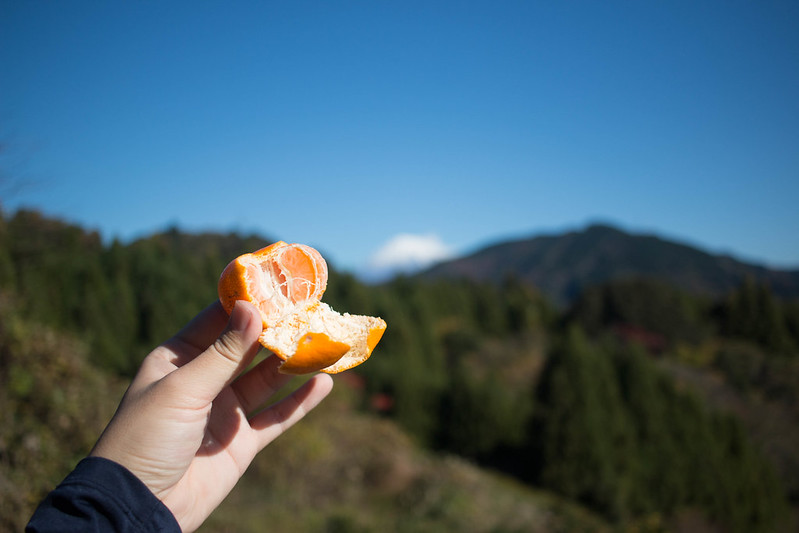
(349, 125)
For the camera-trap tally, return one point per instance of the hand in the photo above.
(187, 429)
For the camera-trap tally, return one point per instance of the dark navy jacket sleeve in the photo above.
(99, 496)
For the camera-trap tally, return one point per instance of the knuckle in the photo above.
(229, 347)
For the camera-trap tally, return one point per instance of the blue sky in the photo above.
(350, 125)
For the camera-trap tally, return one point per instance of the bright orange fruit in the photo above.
(286, 283)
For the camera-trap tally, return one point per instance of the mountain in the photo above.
(562, 265)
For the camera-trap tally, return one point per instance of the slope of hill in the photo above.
(577, 417)
(340, 470)
(561, 266)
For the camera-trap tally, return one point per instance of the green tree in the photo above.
(479, 417)
(650, 305)
(581, 430)
(660, 466)
(753, 313)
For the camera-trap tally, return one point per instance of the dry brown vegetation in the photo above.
(54, 405)
(343, 470)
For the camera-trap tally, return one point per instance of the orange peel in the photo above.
(286, 283)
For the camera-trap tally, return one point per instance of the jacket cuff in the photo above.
(101, 495)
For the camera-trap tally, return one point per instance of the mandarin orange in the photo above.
(286, 283)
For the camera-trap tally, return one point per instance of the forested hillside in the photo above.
(639, 404)
(565, 264)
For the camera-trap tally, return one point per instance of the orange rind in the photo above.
(286, 283)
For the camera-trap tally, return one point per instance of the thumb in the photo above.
(231, 352)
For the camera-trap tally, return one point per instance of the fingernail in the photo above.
(240, 317)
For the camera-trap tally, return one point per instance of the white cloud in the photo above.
(407, 253)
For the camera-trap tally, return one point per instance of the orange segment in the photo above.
(300, 269)
(364, 328)
(242, 279)
(274, 277)
(286, 283)
(375, 334)
(315, 351)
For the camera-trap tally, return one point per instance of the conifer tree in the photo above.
(753, 313)
(582, 434)
(658, 474)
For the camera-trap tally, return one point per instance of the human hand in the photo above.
(188, 428)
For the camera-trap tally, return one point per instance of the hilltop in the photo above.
(562, 265)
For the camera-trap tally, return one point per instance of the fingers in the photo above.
(272, 422)
(208, 373)
(255, 387)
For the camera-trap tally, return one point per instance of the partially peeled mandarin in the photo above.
(286, 283)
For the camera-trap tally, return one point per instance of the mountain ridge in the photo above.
(561, 265)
